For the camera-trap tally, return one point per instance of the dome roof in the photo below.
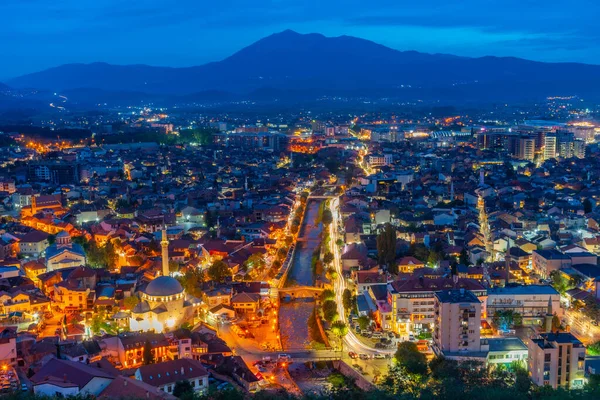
(163, 286)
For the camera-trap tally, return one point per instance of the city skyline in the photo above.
(193, 33)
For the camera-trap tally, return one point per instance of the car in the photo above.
(283, 357)
(223, 386)
(379, 356)
(595, 323)
(411, 338)
(352, 355)
(363, 356)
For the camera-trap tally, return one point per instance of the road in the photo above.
(582, 327)
(352, 342)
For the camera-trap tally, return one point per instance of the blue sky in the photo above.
(38, 34)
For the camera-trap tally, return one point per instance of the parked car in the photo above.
(363, 356)
(352, 355)
(379, 355)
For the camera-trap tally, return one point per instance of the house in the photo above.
(33, 244)
(546, 261)
(408, 264)
(245, 303)
(8, 346)
(165, 375)
(133, 388)
(63, 378)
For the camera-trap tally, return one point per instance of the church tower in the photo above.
(164, 243)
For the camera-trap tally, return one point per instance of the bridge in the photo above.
(300, 292)
(303, 355)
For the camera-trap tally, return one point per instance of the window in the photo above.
(547, 357)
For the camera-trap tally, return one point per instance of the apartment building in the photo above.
(557, 359)
(412, 301)
(457, 322)
(546, 261)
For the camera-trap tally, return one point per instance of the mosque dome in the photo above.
(163, 286)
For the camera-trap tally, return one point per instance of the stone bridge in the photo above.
(300, 292)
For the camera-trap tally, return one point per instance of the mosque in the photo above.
(163, 305)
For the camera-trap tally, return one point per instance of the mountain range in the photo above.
(295, 65)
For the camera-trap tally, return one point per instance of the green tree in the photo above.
(255, 262)
(464, 257)
(191, 281)
(130, 302)
(594, 349)
(147, 354)
(409, 357)
(327, 294)
(560, 282)
(330, 311)
(340, 330)
(386, 247)
(347, 300)
(328, 258)
(363, 322)
(183, 388)
(51, 239)
(327, 217)
(219, 271)
(587, 206)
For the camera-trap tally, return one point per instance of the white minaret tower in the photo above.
(481, 177)
(164, 243)
(451, 189)
(246, 184)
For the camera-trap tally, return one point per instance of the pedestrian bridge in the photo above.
(300, 292)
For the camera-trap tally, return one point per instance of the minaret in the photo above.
(246, 184)
(485, 228)
(481, 177)
(549, 316)
(164, 243)
(451, 189)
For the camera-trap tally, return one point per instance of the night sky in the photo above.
(37, 34)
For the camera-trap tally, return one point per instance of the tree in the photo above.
(191, 281)
(594, 349)
(130, 302)
(148, 355)
(409, 357)
(587, 206)
(328, 258)
(327, 217)
(560, 282)
(219, 271)
(183, 387)
(363, 322)
(464, 257)
(330, 311)
(347, 300)
(340, 330)
(327, 294)
(51, 239)
(386, 246)
(255, 262)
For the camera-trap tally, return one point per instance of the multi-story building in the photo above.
(532, 302)
(544, 262)
(33, 244)
(550, 144)
(525, 148)
(165, 375)
(457, 322)
(556, 359)
(412, 301)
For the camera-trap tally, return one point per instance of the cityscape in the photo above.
(313, 217)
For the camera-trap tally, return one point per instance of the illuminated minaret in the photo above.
(164, 243)
(485, 228)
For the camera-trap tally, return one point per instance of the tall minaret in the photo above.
(481, 177)
(164, 243)
(451, 189)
